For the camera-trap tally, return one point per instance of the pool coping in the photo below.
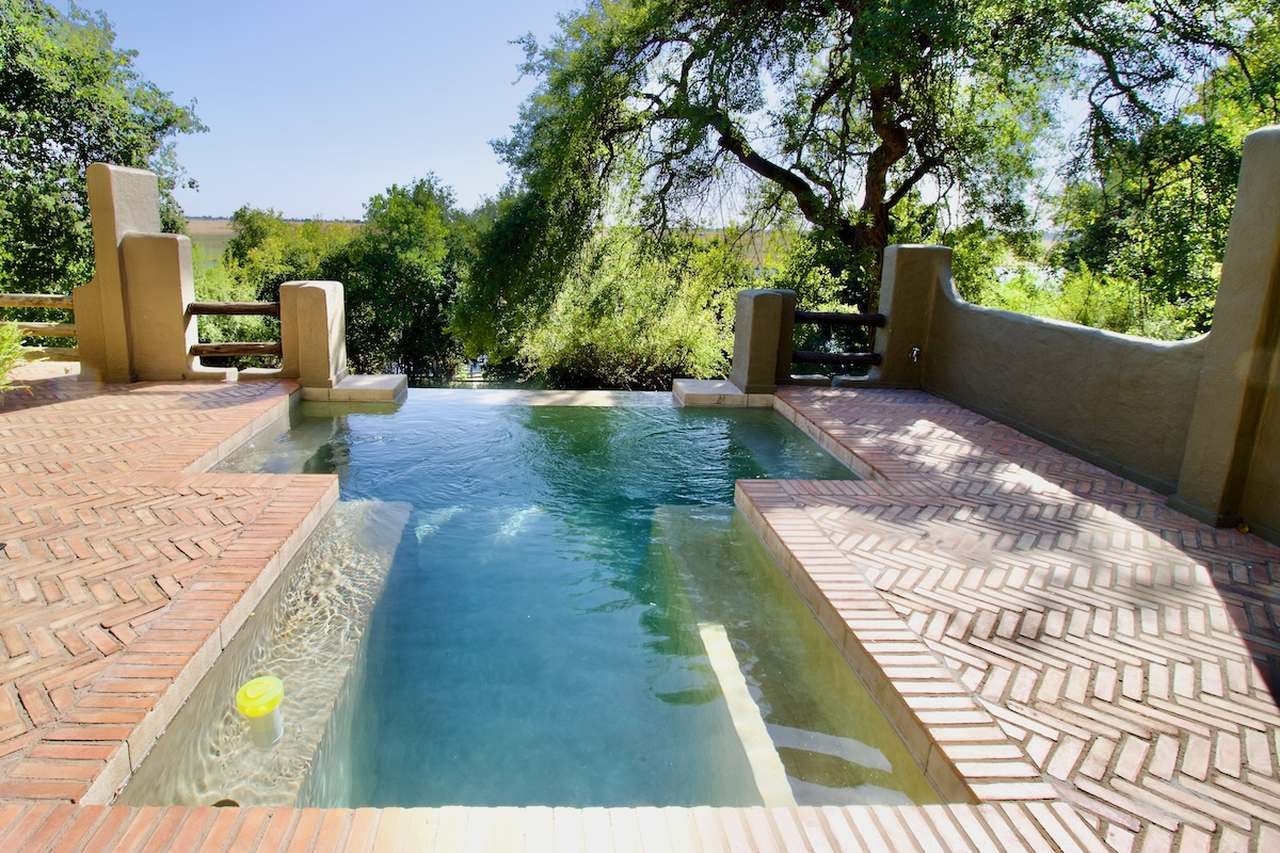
(1128, 650)
(119, 704)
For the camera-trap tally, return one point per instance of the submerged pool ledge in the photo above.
(963, 751)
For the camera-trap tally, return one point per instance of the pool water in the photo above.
(543, 634)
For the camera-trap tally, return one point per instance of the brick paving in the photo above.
(122, 575)
(1073, 663)
(1127, 650)
(979, 828)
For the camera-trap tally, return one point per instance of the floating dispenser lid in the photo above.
(260, 696)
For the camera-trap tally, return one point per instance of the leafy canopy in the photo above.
(401, 273)
(851, 116)
(69, 97)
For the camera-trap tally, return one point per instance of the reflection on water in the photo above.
(537, 642)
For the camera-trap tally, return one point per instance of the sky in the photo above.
(314, 105)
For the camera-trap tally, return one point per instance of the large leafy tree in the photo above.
(848, 115)
(1148, 205)
(69, 97)
(400, 274)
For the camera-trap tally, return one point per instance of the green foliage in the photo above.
(264, 252)
(69, 97)
(860, 120)
(401, 273)
(252, 228)
(633, 314)
(1157, 219)
(400, 270)
(1145, 221)
(218, 283)
(1085, 297)
(10, 353)
(976, 257)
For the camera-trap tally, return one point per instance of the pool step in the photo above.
(825, 732)
(307, 632)
(381, 388)
(766, 765)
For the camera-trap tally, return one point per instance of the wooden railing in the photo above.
(42, 328)
(236, 309)
(237, 348)
(233, 309)
(839, 359)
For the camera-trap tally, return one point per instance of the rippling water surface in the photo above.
(537, 638)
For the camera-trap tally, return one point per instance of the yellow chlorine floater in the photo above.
(258, 700)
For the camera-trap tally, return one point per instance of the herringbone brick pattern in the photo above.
(117, 581)
(1128, 650)
(1088, 663)
(63, 426)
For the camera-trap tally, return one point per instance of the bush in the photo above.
(633, 315)
(401, 273)
(10, 353)
(218, 283)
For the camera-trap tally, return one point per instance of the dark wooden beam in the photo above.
(839, 318)
(238, 348)
(841, 359)
(227, 309)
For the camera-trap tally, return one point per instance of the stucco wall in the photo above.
(1120, 401)
(1260, 503)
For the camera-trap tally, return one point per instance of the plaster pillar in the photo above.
(910, 278)
(160, 287)
(313, 333)
(1241, 346)
(121, 201)
(762, 325)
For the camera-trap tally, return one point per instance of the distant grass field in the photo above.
(211, 235)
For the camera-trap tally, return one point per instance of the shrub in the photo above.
(634, 315)
(10, 353)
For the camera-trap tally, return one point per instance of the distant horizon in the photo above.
(206, 217)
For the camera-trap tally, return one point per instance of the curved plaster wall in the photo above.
(1122, 402)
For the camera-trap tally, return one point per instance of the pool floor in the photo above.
(575, 615)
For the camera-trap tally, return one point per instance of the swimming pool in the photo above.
(570, 613)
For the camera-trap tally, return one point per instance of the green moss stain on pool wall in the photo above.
(537, 641)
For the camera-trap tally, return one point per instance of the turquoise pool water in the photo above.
(541, 635)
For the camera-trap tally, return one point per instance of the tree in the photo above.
(1150, 208)
(265, 251)
(635, 314)
(69, 97)
(251, 228)
(400, 274)
(841, 113)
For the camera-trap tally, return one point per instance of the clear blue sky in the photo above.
(314, 105)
